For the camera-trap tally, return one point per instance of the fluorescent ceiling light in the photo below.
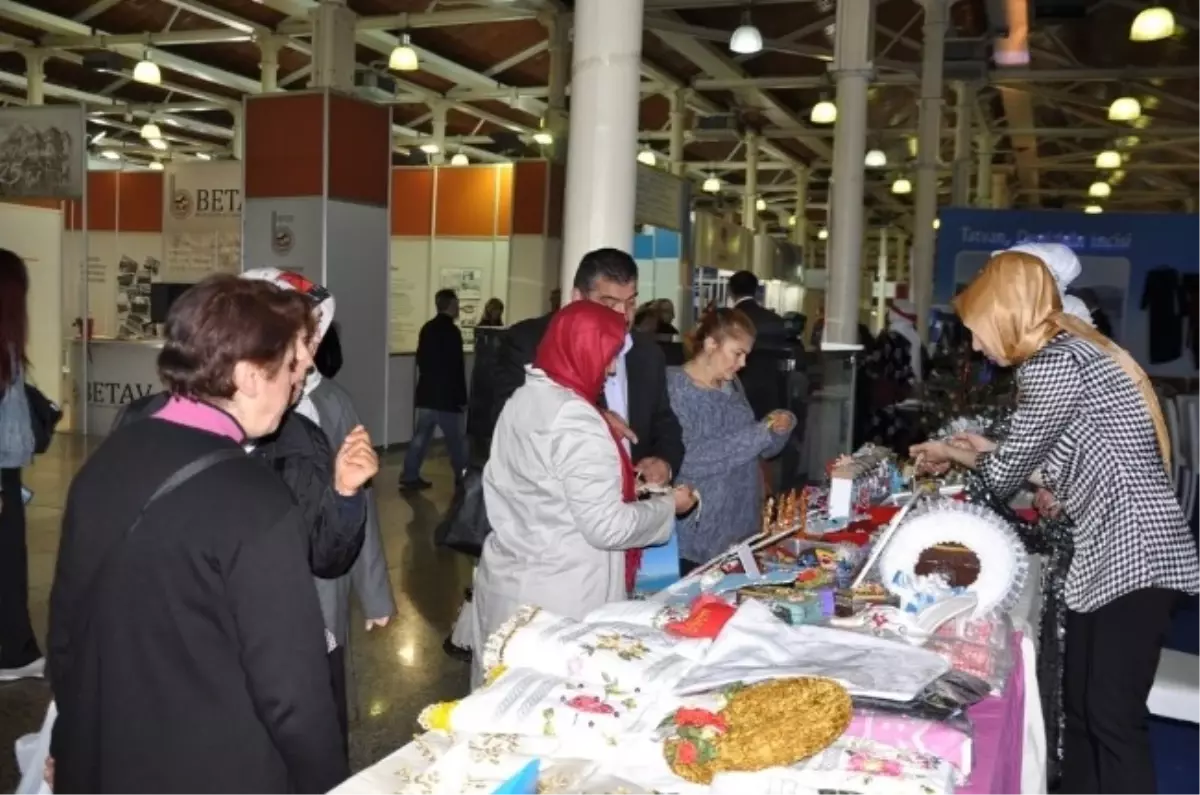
(791, 220)
(459, 159)
(147, 72)
(150, 131)
(711, 185)
(1100, 190)
(824, 112)
(404, 57)
(1152, 24)
(110, 154)
(747, 39)
(203, 156)
(430, 148)
(902, 186)
(1093, 209)
(937, 223)
(155, 165)
(1109, 158)
(1124, 109)
(876, 158)
(823, 234)
(760, 205)
(543, 138)
(159, 144)
(647, 157)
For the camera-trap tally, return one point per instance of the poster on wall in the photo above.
(42, 152)
(285, 234)
(468, 284)
(409, 286)
(202, 220)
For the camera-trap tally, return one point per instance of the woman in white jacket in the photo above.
(559, 487)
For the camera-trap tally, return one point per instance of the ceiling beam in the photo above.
(1006, 76)
(778, 133)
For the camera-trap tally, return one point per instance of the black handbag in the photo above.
(465, 525)
(44, 416)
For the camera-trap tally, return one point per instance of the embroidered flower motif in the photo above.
(700, 718)
(590, 704)
(686, 753)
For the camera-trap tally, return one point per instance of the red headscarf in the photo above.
(582, 340)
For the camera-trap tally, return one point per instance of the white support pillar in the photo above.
(881, 279)
(1000, 196)
(679, 130)
(439, 110)
(236, 146)
(35, 77)
(965, 101)
(750, 190)
(268, 64)
(601, 187)
(334, 55)
(983, 176)
(558, 29)
(901, 255)
(928, 141)
(852, 70)
(800, 229)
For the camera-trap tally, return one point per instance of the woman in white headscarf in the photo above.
(1065, 267)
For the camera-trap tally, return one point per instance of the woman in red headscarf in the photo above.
(559, 486)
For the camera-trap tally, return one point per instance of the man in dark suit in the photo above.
(760, 377)
(636, 397)
(441, 391)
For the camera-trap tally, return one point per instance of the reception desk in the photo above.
(118, 372)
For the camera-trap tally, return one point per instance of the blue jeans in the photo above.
(451, 423)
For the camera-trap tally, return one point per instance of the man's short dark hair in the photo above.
(611, 264)
(743, 284)
(444, 299)
(224, 320)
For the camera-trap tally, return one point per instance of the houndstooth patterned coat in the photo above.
(1082, 421)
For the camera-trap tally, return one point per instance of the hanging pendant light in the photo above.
(430, 148)
(404, 57)
(110, 154)
(761, 205)
(823, 234)
(824, 112)
(459, 159)
(147, 72)
(747, 39)
(711, 185)
(791, 220)
(1124, 109)
(151, 131)
(159, 144)
(156, 165)
(901, 186)
(1100, 190)
(1109, 158)
(647, 157)
(543, 138)
(876, 158)
(1152, 24)
(1093, 209)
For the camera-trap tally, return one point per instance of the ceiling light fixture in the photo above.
(823, 234)
(876, 158)
(901, 186)
(747, 39)
(1124, 109)
(150, 131)
(159, 144)
(760, 205)
(1152, 24)
(711, 185)
(791, 220)
(543, 138)
(647, 157)
(824, 112)
(1093, 209)
(1109, 158)
(203, 156)
(460, 159)
(1100, 190)
(937, 223)
(110, 154)
(147, 72)
(404, 57)
(430, 148)
(156, 165)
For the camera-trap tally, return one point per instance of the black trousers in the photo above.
(1112, 655)
(18, 647)
(337, 678)
(686, 567)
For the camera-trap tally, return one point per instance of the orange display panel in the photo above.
(284, 145)
(465, 202)
(140, 201)
(412, 202)
(359, 150)
(504, 197)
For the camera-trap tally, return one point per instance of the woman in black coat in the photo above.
(185, 642)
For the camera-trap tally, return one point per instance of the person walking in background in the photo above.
(441, 392)
(723, 440)
(20, 656)
(666, 317)
(760, 377)
(493, 313)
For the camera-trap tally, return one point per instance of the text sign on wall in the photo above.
(660, 198)
(202, 219)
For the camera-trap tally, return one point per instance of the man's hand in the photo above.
(619, 426)
(654, 471)
(356, 463)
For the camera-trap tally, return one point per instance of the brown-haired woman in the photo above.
(722, 441)
(19, 653)
(1088, 419)
(186, 645)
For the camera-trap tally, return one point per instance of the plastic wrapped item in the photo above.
(945, 699)
(915, 734)
(821, 563)
(980, 647)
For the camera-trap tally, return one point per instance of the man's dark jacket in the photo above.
(650, 414)
(441, 369)
(760, 377)
(300, 453)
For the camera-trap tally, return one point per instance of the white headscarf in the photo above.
(323, 309)
(902, 320)
(1065, 267)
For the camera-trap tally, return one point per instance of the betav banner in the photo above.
(202, 220)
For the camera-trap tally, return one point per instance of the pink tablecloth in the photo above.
(999, 732)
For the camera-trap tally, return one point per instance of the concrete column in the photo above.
(439, 133)
(881, 278)
(901, 259)
(983, 176)
(268, 64)
(800, 230)
(928, 129)
(852, 70)
(750, 192)
(679, 129)
(601, 186)
(965, 94)
(35, 76)
(334, 55)
(1000, 196)
(558, 29)
(239, 132)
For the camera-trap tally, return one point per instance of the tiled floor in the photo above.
(397, 670)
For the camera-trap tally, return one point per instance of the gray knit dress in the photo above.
(723, 444)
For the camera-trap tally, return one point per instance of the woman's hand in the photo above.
(780, 421)
(973, 441)
(685, 499)
(1047, 504)
(356, 463)
(930, 455)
